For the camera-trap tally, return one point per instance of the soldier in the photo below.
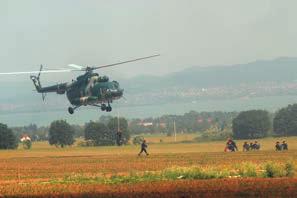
(251, 146)
(231, 145)
(245, 147)
(143, 148)
(278, 146)
(256, 146)
(284, 146)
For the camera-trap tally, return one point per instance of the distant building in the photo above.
(145, 124)
(25, 138)
(162, 125)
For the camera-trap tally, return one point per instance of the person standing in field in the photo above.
(278, 147)
(284, 146)
(143, 148)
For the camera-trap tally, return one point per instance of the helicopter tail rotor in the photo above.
(37, 83)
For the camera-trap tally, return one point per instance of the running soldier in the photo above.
(143, 148)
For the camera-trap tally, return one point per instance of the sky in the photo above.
(186, 33)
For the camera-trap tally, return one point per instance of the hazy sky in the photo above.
(185, 32)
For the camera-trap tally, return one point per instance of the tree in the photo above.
(7, 138)
(284, 122)
(119, 128)
(99, 134)
(251, 124)
(61, 133)
(138, 140)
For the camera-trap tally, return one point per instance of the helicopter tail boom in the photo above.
(59, 88)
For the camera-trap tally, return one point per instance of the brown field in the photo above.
(42, 170)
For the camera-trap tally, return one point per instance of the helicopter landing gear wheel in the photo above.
(103, 107)
(108, 109)
(70, 110)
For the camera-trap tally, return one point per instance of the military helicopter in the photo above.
(88, 89)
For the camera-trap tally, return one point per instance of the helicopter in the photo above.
(88, 89)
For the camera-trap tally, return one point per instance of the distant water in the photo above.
(85, 114)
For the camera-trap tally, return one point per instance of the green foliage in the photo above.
(251, 124)
(27, 144)
(120, 124)
(99, 134)
(188, 123)
(86, 143)
(274, 170)
(247, 170)
(284, 122)
(137, 140)
(191, 173)
(61, 133)
(7, 138)
(214, 135)
(290, 169)
(103, 134)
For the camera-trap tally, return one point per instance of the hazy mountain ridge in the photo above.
(277, 70)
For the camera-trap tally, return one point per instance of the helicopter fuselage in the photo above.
(93, 89)
(88, 89)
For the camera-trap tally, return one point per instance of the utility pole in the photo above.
(118, 121)
(174, 128)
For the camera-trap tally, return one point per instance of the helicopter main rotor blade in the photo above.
(129, 61)
(37, 72)
(77, 66)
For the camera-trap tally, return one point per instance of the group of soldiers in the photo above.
(281, 147)
(231, 146)
(251, 146)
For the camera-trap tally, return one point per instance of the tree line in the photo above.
(110, 131)
(260, 123)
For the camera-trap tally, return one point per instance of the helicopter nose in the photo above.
(117, 92)
(121, 92)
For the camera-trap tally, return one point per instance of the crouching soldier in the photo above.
(245, 147)
(256, 146)
(231, 146)
(143, 148)
(284, 146)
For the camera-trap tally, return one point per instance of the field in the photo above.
(171, 170)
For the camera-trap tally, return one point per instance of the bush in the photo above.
(138, 140)
(8, 139)
(274, 170)
(247, 170)
(27, 144)
(86, 143)
(290, 169)
(212, 135)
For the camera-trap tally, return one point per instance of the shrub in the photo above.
(247, 170)
(274, 170)
(290, 169)
(138, 140)
(27, 144)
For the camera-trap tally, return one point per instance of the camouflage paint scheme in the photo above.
(88, 89)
